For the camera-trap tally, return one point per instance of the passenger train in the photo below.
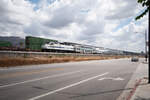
(61, 47)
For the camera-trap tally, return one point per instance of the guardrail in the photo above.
(41, 54)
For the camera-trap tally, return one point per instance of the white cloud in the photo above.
(15, 14)
(101, 22)
(120, 9)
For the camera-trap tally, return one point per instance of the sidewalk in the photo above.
(138, 86)
(141, 90)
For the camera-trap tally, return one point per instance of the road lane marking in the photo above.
(37, 79)
(63, 88)
(111, 78)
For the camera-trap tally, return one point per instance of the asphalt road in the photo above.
(87, 80)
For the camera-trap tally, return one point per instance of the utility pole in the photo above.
(148, 51)
(145, 46)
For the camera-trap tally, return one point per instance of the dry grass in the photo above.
(9, 62)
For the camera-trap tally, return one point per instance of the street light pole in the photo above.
(146, 55)
(145, 35)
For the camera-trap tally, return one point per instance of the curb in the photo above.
(134, 89)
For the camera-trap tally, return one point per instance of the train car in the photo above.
(97, 51)
(35, 43)
(83, 49)
(77, 49)
(57, 47)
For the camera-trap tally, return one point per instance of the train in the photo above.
(62, 47)
(38, 44)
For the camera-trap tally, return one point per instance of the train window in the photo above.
(51, 43)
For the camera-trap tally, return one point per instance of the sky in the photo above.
(103, 23)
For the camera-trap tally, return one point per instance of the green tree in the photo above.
(145, 3)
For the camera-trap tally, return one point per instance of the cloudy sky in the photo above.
(104, 23)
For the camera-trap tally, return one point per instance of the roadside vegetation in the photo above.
(18, 61)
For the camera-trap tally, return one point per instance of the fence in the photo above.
(40, 54)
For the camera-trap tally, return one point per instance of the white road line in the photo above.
(37, 79)
(60, 89)
(111, 78)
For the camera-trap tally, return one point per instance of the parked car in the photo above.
(134, 59)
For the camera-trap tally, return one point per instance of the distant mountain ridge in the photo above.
(15, 41)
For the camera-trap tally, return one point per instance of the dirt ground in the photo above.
(10, 62)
